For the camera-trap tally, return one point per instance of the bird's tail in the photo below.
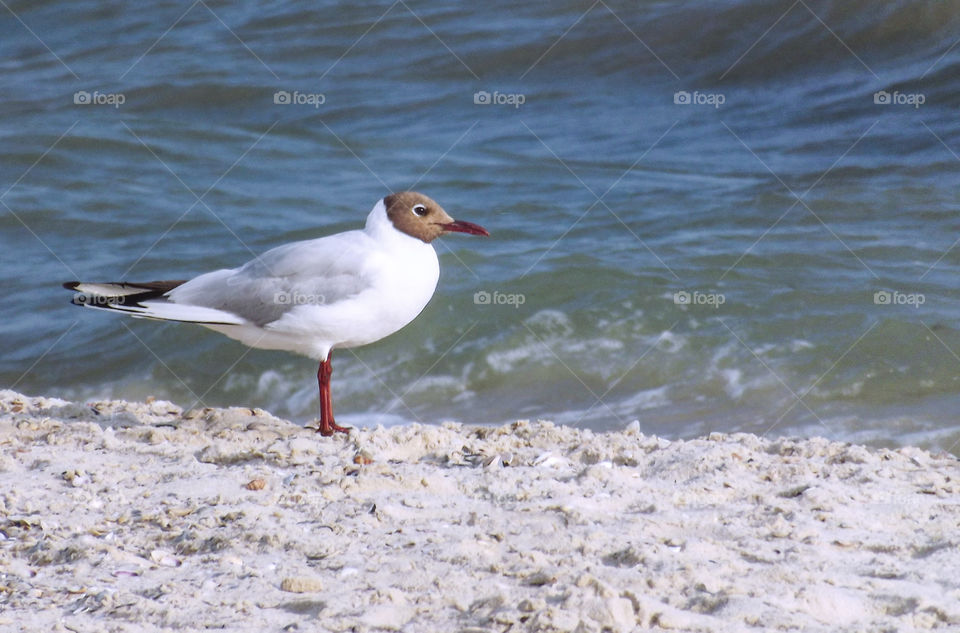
(146, 300)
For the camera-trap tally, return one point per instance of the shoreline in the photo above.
(119, 515)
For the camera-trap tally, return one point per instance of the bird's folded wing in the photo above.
(318, 272)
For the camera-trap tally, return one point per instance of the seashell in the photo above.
(256, 484)
(301, 584)
(165, 558)
(548, 460)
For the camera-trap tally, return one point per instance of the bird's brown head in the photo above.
(419, 216)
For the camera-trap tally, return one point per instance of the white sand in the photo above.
(120, 517)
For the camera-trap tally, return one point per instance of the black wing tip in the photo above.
(154, 288)
(129, 294)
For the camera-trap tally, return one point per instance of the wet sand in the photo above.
(119, 516)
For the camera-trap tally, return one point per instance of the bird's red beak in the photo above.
(459, 226)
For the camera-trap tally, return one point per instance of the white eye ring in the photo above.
(419, 210)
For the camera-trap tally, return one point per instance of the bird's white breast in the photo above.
(396, 277)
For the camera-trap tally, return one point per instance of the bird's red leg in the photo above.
(327, 425)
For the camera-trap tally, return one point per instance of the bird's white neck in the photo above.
(381, 227)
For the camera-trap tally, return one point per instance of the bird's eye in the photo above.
(419, 210)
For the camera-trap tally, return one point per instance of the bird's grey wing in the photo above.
(314, 272)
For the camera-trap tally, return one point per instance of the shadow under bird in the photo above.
(310, 297)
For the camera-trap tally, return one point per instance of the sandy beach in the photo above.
(118, 516)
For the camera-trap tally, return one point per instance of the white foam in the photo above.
(670, 342)
(373, 420)
(643, 400)
(798, 344)
(732, 383)
(504, 361)
(554, 321)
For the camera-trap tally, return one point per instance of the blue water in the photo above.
(777, 164)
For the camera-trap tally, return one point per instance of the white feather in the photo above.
(166, 311)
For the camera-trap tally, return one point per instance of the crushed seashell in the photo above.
(165, 558)
(301, 584)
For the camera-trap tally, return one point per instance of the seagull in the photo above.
(309, 297)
